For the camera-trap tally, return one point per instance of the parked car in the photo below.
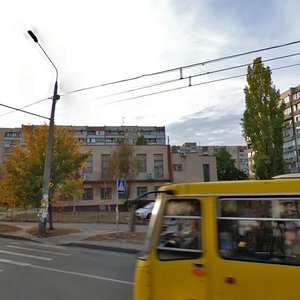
(144, 213)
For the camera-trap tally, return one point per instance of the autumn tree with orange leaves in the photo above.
(22, 174)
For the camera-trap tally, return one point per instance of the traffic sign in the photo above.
(121, 185)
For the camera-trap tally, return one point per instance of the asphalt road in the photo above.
(30, 270)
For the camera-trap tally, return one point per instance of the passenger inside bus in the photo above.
(263, 240)
(292, 241)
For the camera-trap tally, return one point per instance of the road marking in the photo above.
(8, 261)
(82, 274)
(51, 246)
(38, 250)
(25, 255)
(108, 252)
(13, 262)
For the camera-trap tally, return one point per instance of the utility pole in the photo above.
(48, 157)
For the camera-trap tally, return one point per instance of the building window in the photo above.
(88, 194)
(177, 167)
(13, 134)
(181, 231)
(158, 166)
(142, 163)
(140, 190)
(89, 165)
(105, 166)
(106, 193)
(206, 172)
(259, 229)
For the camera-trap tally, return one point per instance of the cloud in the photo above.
(96, 42)
(210, 126)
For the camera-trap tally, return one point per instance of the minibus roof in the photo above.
(287, 176)
(279, 186)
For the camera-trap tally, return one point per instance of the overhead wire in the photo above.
(180, 69)
(21, 108)
(191, 85)
(192, 76)
(183, 67)
(24, 111)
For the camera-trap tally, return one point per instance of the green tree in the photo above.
(263, 121)
(23, 169)
(141, 140)
(175, 149)
(226, 168)
(124, 164)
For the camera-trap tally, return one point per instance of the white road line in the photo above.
(51, 246)
(13, 262)
(65, 272)
(82, 274)
(38, 250)
(25, 255)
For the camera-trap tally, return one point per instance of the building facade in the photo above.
(291, 145)
(238, 153)
(157, 165)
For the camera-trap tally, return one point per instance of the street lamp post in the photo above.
(48, 158)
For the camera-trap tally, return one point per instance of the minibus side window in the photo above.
(180, 236)
(260, 229)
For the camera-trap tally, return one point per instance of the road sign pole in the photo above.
(117, 207)
(120, 189)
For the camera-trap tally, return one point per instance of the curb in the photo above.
(102, 247)
(18, 237)
(77, 244)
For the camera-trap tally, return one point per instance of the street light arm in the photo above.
(35, 39)
(33, 36)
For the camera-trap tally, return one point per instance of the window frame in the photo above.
(88, 194)
(139, 191)
(260, 236)
(142, 162)
(178, 167)
(106, 193)
(186, 250)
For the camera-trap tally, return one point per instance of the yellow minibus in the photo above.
(222, 241)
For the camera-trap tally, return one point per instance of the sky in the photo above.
(120, 62)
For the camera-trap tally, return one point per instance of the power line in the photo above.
(192, 76)
(181, 77)
(192, 85)
(180, 69)
(155, 84)
(24, 111)
(20, 109)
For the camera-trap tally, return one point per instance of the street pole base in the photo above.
(41, 228)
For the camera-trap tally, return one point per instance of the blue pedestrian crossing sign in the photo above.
(121, 185)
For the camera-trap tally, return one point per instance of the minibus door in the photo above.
(258, 249)
(179, 268)
(234, 280)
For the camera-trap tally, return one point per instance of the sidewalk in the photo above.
(78, 239)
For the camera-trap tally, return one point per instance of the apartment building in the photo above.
(291, 145)
(157, 165)
(238, 153)
(9, 137)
